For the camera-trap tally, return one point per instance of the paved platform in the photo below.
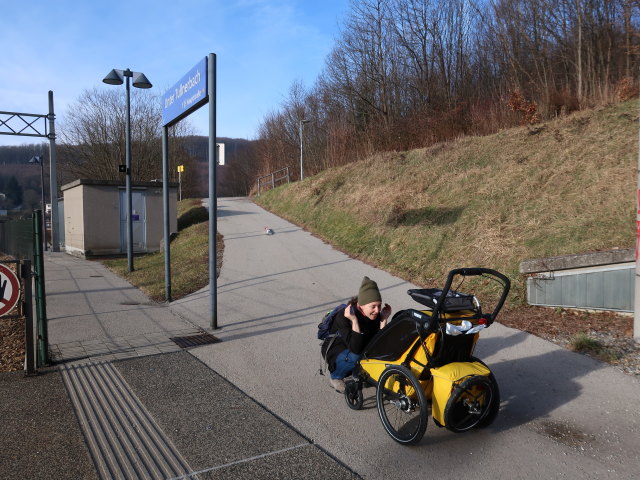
(253, 404)
(126, 399)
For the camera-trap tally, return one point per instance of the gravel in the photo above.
(605, 336)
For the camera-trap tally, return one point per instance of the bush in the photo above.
(192, 216)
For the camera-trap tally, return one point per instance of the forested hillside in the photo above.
(406, 74)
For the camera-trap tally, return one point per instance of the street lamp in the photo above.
(38, 160)
(302, 122)
(116, 77)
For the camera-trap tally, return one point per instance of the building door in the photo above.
(139, 221)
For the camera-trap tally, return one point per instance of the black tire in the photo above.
(402, 405)
(470, 404)
(495, 403)
(353, 395)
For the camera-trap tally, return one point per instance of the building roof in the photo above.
(114, 183)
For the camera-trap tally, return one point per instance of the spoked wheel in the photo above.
(402, 405)
(471, 404)
(495, 403)
(353, 395)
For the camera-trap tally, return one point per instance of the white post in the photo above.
(636, 314)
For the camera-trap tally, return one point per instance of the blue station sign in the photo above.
(189, 94)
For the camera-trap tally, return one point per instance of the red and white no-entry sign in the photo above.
(9, 289)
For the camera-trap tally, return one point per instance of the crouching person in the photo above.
(355, 326)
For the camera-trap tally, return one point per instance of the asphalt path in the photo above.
(563, 415)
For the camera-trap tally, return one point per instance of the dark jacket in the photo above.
(347, 338)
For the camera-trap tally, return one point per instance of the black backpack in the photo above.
(324, 327)
(324, 334)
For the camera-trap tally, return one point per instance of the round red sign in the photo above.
(9, 289)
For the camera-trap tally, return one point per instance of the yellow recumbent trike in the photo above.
(424, 359)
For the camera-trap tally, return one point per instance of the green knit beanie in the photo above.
(368, 292)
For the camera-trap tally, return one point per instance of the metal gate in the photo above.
(138, 219)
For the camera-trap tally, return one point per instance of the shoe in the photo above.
(338, 384)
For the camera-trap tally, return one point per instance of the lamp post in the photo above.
(302, 122)
(37, 159)
(116, 77)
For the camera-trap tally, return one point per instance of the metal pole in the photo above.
(213, 201)
(25, 274)
(636, 314)
(44, 206)
(165, 205)
(128, 175)
(53, 178)
(180, 184)
(41, 308)
(301, 171)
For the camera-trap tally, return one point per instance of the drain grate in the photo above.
(195, 340)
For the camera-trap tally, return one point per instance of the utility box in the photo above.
(95, 216)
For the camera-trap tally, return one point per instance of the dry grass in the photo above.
(562, 187)
(189, 258)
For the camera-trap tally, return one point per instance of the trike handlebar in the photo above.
(468, 272)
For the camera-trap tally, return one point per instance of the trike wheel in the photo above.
(471, 404)
(353, 395)
(495, 402)
(402, 405)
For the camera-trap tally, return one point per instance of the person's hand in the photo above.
(385, 313)
(350, 315)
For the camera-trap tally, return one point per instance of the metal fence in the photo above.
(279, 177)
(23, 239)
(16, 238)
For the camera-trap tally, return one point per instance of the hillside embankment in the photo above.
(562, 187)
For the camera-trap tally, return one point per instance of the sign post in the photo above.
(195, 89)
(180, 170)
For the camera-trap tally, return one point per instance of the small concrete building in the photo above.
(95, 216)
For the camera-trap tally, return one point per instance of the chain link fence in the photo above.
(16, 238)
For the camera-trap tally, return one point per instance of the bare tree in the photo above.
(407, 73)
(93, 136)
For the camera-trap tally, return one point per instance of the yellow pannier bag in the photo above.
(444, 380)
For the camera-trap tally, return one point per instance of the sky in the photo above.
(68, 46)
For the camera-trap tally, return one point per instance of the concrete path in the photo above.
(563, 415)
(124, 401)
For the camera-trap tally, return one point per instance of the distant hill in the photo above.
(562, 187)
(234, 178)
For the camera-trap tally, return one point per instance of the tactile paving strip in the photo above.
(124, 440)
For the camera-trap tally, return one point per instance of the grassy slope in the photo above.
(567, 186)
(189, 257)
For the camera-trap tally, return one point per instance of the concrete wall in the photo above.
(74, 220)
(155, 219)
(101, 215)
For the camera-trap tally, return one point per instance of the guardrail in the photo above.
(274, 179)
